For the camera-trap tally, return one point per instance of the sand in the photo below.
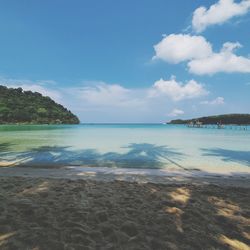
(55, 213)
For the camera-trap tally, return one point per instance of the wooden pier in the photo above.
(217, 126)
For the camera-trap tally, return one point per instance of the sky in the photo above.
(130, 61)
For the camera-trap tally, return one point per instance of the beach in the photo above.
(105, 212)
(124, 187)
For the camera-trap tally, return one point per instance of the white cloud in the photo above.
(103, 94)
(47, 82)
(200, 56)
(35, 86)
(217, 101)
(176, 112)
(54, 94)
(176, 48)
(177, 90)
(224, 61)
(218, 13)
(104, 102)
(99, 95)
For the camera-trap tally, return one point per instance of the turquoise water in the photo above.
(130, 146)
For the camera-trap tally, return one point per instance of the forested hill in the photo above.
(18, 106)
(237, 119)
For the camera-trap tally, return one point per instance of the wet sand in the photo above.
(56, 213)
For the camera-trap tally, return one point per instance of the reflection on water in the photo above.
(134, 146)
(31, 127)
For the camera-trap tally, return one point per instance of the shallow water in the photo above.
(130, 146)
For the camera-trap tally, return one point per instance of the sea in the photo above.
(153, 146)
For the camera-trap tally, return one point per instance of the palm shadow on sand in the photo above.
(242, 157)
(138, 155)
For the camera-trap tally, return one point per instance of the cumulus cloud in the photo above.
(176, 48)
(224, 61)
(176, 112)
(202, 60)
(217, 101)
(218, 13)
(177, 90)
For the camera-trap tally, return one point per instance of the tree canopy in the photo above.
(19, 106)
(237, 119)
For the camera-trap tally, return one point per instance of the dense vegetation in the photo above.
(18, 106)
(238, 119)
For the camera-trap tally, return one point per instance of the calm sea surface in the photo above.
(130, 146)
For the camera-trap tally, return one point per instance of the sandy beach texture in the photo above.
(45, 213)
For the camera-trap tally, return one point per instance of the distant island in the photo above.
(236, 119)
(27, 107)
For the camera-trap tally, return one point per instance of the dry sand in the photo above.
(45, 213)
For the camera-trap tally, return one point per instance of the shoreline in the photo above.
(161, 176)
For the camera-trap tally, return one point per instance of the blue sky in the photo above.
(130, 61)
